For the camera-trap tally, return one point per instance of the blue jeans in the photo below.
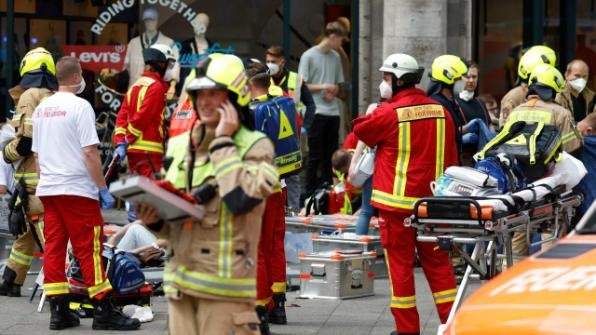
(366, 209)
(478, 133)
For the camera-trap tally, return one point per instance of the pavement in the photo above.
(368, 315)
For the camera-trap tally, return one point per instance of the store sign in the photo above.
(190, 60)
(98, 57)
(121, 5)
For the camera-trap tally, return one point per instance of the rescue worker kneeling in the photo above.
(416, 145)
(210, 277)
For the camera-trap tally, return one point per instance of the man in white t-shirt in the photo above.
(70, 185)
(321, 68)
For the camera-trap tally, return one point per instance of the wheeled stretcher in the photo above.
(488, 222)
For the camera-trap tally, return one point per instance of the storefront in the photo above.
(99, 33)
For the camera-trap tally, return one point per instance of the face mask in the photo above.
(466, 95)
(82, 85)
(169, 75)
(273, 68)
(578, 84)
(459, 86)
(385, 90)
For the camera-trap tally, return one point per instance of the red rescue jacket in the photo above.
(415, 140)
(141, 117)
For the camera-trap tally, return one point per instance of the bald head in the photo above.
(577, 68)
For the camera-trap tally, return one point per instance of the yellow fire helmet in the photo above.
(37, 59)
(221, 71)
(536, 55)
(448, 69)
(548, 76)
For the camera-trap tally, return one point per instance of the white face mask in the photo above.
(273, 69)
(459, 86)
(169, 75)
(466, 95)
(578, 84)
(82, 86)
(385, 90)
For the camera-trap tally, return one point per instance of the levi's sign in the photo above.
(97, 57)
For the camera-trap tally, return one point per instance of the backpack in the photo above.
(125, 272)
(534, 147)
(276, 118)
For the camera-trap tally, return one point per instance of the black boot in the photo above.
(264, 319)
(8, 287)
(278, 315)
(108, 317)
(61, 316)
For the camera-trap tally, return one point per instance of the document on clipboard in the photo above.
(171, 208)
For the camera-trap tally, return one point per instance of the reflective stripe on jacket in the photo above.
(216, 256)
(140, 119)
(415, 140)
(536, 110)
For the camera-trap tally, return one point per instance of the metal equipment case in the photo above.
(351, 241)
(337, 274)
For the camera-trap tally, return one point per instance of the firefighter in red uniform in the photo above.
(417, 145)
(139, 132)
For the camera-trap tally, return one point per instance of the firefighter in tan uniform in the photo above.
(37, 80)
(538, 54)
(545, 82)
(210, 279)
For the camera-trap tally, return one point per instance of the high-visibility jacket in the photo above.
(26, 169)
(415, 140)
(291, 85)
(276, 118)
(536, 110)
(183, 118)
(515, 97)
(215, 257)
(141, 117)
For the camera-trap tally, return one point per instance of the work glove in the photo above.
(106, 199)
(121, 150)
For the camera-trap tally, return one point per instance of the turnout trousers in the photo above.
(23, 248)
(190, 315)
(271, 259)
(400, 254)
(144, 163)
(79, 220)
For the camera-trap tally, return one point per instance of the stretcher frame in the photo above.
(554, 212)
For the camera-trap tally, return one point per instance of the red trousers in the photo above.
(79, 220)
(400, 253)
(271, 260)
(144, 163)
